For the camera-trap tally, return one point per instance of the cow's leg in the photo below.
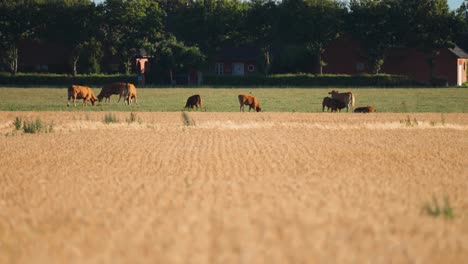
(74, 101)
(68, 101)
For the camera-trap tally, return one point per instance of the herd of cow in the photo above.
(125, 90)
(336, 102)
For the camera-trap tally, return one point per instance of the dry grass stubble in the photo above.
(234, 188)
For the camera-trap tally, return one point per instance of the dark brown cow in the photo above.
(81, 92)
(326, 103)
(347, 98)
(365, 109)
(110, 89)
(194, 100)
(251, 101)
(332, 104)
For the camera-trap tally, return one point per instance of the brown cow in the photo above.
(332, 104)
(129, 93)
(81, 92)
(365, 109)
(194, 100)
(251, 101)
(347, 98)
(110, 89)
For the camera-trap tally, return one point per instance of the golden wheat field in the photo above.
(234, 188)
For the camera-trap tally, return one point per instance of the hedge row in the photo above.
(280, 80)
(36, 79)
(309, 80)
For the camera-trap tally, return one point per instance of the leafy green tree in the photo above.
(371, 22)
(429, 26)
(175, 56)
(259, 28)
(311, 23)
(70, 23)
(132, 25)
(18, 22)
(91, 57)
(209, 24)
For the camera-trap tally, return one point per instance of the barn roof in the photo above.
(459, 52)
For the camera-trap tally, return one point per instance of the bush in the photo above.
(436, 210)
(110, 118)
(18, 123)
(307, 80)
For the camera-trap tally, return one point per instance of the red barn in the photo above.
(346, 56)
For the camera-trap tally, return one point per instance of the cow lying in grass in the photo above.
(251, 101)
(194, 100)
(332, 104)
(364, 109)
(81, 92)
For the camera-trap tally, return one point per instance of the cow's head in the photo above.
(333, 92)
(100, 96)
(258, 109)
(93, 100)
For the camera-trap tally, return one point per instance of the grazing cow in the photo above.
(81, 92)
(194, 100)
(251, 101)
(110, 89)
(365, 109)
(347, 98)
(332, 104)
(129, 93)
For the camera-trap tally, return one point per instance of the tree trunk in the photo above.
(319, 68)
(75, 56)
(128, 66)
(74, 63)
(170, 76)
(13, 60)
(266, 54)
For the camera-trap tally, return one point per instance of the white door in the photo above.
(238, 69)
(459, 73)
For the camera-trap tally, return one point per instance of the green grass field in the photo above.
(444, 100)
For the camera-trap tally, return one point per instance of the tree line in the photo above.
(187, 33)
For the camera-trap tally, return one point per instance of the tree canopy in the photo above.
(300, 29)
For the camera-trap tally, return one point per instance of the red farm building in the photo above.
(345, 56)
